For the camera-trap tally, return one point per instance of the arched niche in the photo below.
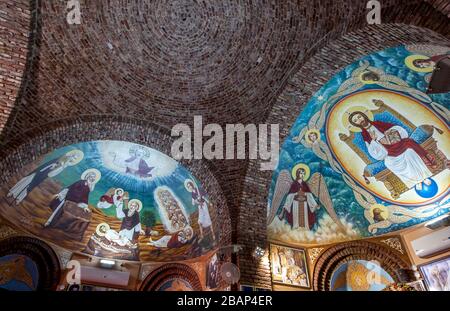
(366, 264)
(113, 199)
(172, 277)
(28, 264)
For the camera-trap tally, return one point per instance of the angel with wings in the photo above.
(301, 194)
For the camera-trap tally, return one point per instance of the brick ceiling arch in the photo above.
(337, 255)
(168, 61)
(18, 19)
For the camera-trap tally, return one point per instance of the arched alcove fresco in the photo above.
(353, 276)
(359, 266)
(28, 264)
(367, 156)
(172, 277)
(113, 199)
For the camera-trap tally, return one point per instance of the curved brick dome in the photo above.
(163, 62)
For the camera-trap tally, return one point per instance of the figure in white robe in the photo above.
(50, 169)
(175, 240)
(135, 165)
(199, 199)
(390, 143)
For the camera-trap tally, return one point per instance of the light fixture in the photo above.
(108, 264)
(258, 252)
(438, 222)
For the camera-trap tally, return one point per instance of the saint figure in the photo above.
(390, 143)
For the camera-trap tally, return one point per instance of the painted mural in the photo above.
(437, 275)
(368, 155)
(18, 273)
(113, 199)
(360, 275)
(213, 273)
(289, 266)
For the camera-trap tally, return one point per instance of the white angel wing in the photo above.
(282, 187)
(319, 188)
(363, 65)
(427, 49)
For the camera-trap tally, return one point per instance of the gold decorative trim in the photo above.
(314, 253)
(64, 257)
(394, 243)
(6, 232)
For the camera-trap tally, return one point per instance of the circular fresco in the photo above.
(18, 273)
(360, 275)
(367, 156)
(113, 199)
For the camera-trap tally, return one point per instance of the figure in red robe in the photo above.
(390, 143)
(300, 205)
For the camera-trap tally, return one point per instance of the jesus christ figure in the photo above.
(390, 143)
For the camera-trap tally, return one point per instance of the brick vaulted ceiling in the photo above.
(166, 61)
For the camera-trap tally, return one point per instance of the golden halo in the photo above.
(409, 62)
(383, 208)
(315, 131)
(102, 228)
(79, 155)
(97, 173)
(303, 166)
(349, 111)
(186, 184)
(138, 202)
(367, 81)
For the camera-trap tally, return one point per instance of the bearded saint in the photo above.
(390, 143)
(70, 207)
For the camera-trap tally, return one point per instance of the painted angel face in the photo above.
(370, 76)
(423, 63)
(300, 174)
(312, 137)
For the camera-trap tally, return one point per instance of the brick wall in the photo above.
(16, 17)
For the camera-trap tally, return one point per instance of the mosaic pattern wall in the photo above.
(113, 199)
(368, 155)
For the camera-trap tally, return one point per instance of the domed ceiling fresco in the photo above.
(113, 199)
(368, 155)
